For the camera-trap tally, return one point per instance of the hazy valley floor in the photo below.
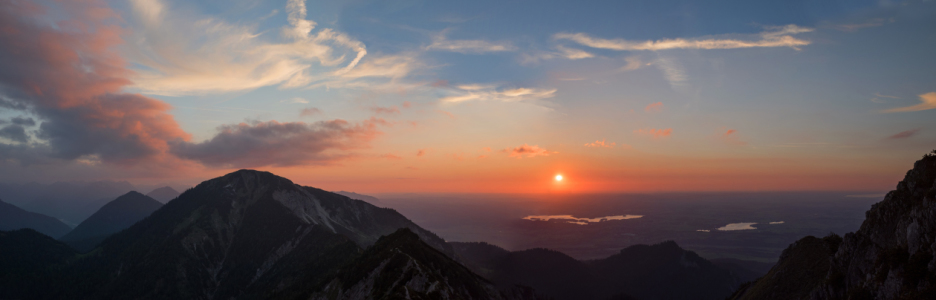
(691, 219)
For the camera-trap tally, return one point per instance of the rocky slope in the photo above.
(113, 217)
(249, 235)
(400, 266)
(889, 257)
(12, 218)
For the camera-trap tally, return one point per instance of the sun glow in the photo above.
(558, 177)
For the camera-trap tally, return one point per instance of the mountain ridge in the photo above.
(13, 217)
(116, 215)
(247, 234)
(639, 271)
(889, 257)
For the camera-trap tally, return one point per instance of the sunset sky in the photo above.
(470, 96)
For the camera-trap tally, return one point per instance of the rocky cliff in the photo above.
(889, 257)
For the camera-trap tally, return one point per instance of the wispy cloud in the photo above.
(653, 132)
(904, 134)
(673, 71)
(600, 144)
(180, 56)
(527, 150)
(476, 92)
(633, 63)
(731, 136)
(440, 42)
(309, 111)
(856, 26)
(385, 110)
(780, 36)
(927, 101)
(878, 96)
(296, 100)
(654, 107)
(532, 57)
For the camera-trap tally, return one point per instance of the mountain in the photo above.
(400, 266)
(254, 235)
(369, 199)
(32, 264)
(163, 194)
(71, 202)
(661, 271)
(12, 217)
(889, 257)
(113, 217)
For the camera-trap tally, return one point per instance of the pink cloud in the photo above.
(600, 144)
(71, 76)
(529, 151)
(654, 107)
(391, 157)
(440, 83)
(655, 133)
(385, 110)
(311, 111)
(731, 137)
(904, 134)
(421, 152)
(450, 115)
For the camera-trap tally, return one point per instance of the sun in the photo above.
(558, 177)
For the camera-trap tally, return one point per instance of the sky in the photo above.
(470, 96)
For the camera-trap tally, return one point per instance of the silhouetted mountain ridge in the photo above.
(163, 194)
(889, 257)
(252, 234)
(72, 202)
(12, 218)
(113, 217)
(661, 271)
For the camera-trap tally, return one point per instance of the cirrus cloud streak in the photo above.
(781, 36)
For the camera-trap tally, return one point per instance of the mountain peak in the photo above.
(113, 217)
(163, 194)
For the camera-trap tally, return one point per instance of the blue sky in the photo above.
(468, 94)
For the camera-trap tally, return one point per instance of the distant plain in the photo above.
(690, 219)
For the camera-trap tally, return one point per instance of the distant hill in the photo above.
(254, 235)
(661, 271)
(12, 218)
(71, 202)
(113, 217)
(890, 257)
(163, 194)
(369, 199)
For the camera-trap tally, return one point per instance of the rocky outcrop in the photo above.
(889, 257)
(400, 266)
